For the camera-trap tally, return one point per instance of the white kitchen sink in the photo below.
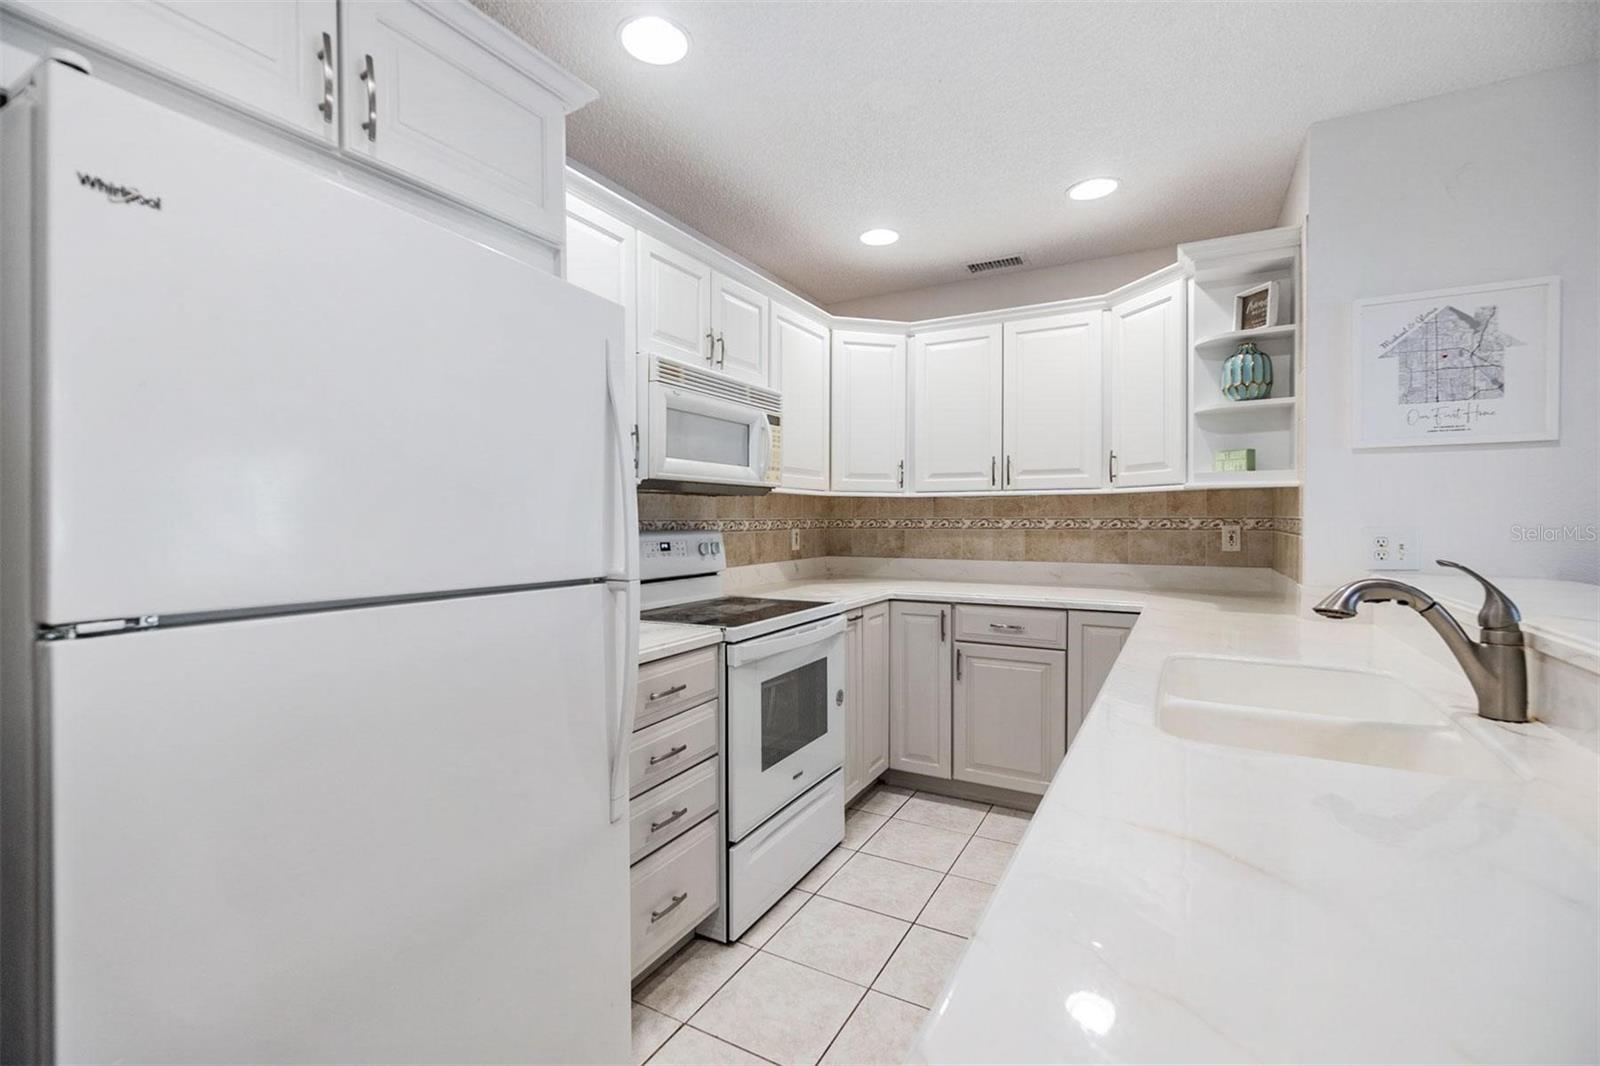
(1322, 712)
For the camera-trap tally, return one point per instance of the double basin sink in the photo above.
(1324, 712)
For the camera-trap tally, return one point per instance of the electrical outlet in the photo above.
(1392, 548)
(794, 540)
(1232, 536)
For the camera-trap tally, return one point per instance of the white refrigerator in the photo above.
(318, 612)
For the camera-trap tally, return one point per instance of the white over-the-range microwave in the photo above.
(710, 433)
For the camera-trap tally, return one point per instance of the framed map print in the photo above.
(1475, 365)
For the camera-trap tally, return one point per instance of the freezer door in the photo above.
(259, 385)
(375, 835)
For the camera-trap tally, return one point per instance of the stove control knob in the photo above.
(705, 549)
(716, 549)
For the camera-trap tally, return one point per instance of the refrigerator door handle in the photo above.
(623, 582)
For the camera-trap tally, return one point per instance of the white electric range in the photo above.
(782, 727)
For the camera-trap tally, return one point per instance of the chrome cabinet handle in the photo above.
(994, 465)
(677, 901)
(1006, 627)
(370, 77)
(901, 476)
(1111, 465)
(722, 343)
(325, 53)
(941, 627)
(664, 693)
(656, 827)
(1008, 471)
(958, 664)
(672, 754)
(711, 348)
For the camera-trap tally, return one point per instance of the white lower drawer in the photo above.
(668, 748)
(667, 811)
(773, 859)
(672, 891)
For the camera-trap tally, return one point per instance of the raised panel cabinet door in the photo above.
(739, 318)
(426, 100)
(601, 257)
(919, 688)
(1094, 640)
(1010, 718)
(674, 316)
(268, 58)
(1146, 346)
(869, 412)
(1054, 408)
(956, 384)
(854, 764)
(799, 353)
(873, 704)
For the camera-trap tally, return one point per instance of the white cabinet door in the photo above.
(800, 371)
(956, 383)
(424, 99)
(674, 303)
(1010, 716)
(919, 688)
(873, 706)
(854, 761)
(1053, 403)
(739, 316)
(1094, 640)
(264, 57)
(869, 412)
(1147, 388)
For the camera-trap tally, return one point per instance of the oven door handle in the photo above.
(766, 647)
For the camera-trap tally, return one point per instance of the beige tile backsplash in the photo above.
(1171, 528)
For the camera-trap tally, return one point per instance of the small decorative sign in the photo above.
(1234, 460)
(1257, 307)
(1473, 365)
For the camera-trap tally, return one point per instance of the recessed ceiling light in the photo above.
(878, 237)
(1093, 188)
(652, 39)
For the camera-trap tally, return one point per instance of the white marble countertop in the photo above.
(657, 640)
(1174, 900)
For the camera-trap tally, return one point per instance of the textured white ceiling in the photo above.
(791, 127)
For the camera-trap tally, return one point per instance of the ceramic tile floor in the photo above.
(844, 968)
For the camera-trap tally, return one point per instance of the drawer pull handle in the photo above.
(370, 77)
(326, 55)
(673, 753)
(656, 827)
(677, 901)
(1007, 627)
(664, 693)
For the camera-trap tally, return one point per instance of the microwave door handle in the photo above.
(764, 460)
(765, 648)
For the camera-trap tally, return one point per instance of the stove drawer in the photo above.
(773, 859)
(670, 810)
(672, 892)
(668, 748)
(668, 686)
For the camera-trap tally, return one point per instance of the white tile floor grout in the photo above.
(851, 977)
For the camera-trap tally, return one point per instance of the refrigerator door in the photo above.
(372, 835)
(261, 386)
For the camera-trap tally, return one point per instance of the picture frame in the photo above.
(1475, 364)
(1256, 307)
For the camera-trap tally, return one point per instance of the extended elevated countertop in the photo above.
(1175, 900)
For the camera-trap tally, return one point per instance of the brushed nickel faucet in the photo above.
(1495, 663)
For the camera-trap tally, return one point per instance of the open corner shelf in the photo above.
(1245, 479)
(1245, 408)
(1222, 344)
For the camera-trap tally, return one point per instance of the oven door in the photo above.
(785, 719)
(703, 438)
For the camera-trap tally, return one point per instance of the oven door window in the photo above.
(705, 438)
(794, 711)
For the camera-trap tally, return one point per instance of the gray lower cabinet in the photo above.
(866, 738)
(1094, 640)
(1010, 715)
(919, 688)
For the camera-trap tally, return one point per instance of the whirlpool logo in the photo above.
(118, 194)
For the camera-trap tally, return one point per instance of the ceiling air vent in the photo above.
(1003, 263)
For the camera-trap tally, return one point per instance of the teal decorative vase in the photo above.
(1247, 374)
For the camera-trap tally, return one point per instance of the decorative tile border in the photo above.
(764, 525)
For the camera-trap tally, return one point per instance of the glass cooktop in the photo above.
(728, 611)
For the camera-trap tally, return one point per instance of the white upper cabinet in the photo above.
(739, 319)
(430, 94)
(674, 303)
(956, 384)
(869, 412)
(1148, 415)
(1053, 403)
(601, 256)
(799, 352)
(276, 60)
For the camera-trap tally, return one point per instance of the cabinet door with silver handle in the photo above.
(369, 78)
(325, 54)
